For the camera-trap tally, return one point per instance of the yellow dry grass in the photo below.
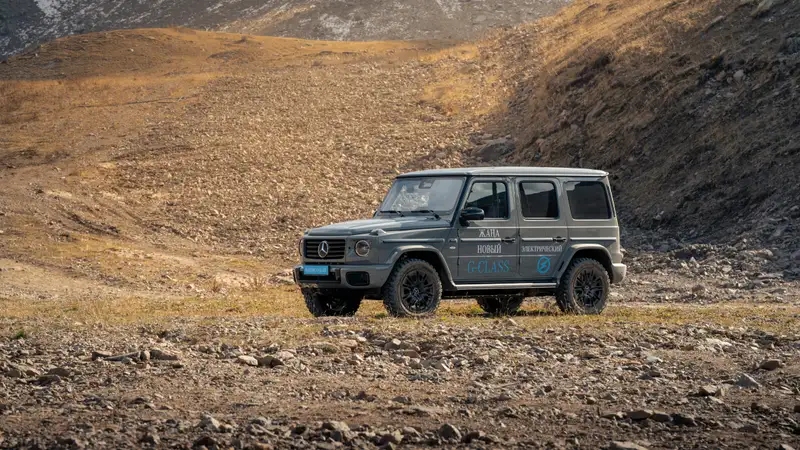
(286, 302)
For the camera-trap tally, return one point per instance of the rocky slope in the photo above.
(691, 105)
(24, 22)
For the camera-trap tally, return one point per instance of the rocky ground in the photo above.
(690, 354)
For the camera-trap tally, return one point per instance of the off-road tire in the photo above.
(501, 305)
(404, 274)
(584, 287)
(327, 303)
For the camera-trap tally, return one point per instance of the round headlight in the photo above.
(362, 248)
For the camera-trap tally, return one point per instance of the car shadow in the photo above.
(540, 312)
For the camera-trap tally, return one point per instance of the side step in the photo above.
(480, 287)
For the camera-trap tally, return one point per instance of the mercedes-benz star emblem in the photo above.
(322, 250)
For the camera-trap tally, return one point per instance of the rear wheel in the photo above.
(332, 303)
(413, 289)
(501, 305)
(584, 287)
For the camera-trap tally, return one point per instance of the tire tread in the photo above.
(564, 298)
(317, 307)
(392, 302)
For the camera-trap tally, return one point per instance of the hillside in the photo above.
(692, 105)
(166, 158)
(174, 160)
(25, 22)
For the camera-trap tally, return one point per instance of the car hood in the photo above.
(365, 226)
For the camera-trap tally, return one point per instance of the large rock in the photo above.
(684, 419)
(494, 149)
(210, 423)
(163, 355)
(710, 390)
(747, 382)
(769, 364)
(394, 437)
(640, 414)
(247, 360)
(450, 432)
(394, 344)
(284, 355)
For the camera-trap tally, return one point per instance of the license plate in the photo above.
(315, 270)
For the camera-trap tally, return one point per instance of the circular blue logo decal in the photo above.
(543, 266)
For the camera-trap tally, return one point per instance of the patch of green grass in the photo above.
(21, 334)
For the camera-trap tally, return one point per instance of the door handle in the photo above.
(509, 240)
(559, 239)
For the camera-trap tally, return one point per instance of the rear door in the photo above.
(542, 227)
(487, 249)
(593, 221)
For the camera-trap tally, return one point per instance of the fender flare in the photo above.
(399, 251)
(574, 249)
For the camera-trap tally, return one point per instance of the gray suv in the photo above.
(497, 234)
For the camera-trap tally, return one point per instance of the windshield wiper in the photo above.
(391, 211)
(427, 211)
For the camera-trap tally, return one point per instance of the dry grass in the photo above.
(286, 302)
(575, 30)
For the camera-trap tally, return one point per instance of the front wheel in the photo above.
(332, 303)
(413, 289)
(583, 288)
(501, 305)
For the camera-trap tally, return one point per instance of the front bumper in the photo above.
(338, 278)
(618, 271)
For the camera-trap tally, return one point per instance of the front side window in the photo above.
(538, 200)
(588, 200)
(491, 197)
(424, 195)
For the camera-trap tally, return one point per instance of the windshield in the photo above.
(424, 195)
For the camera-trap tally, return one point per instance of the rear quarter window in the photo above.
(588, 200)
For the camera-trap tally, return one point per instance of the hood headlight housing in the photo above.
(300, 246)
(362, 248)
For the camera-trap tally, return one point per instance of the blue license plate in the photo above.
(315, 270)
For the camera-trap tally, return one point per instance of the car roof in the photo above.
(509, 171)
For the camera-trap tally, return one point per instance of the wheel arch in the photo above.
(593, 251)
(429, 254)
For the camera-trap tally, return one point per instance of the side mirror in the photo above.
(472, 214)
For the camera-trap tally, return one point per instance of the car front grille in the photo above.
(336, 248)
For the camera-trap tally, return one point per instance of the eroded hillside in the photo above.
(693, 106)
(178, 160)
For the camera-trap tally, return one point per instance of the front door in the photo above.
(487, 249)
(542, 228)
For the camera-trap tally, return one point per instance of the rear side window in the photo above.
(588, 200)
(538, 200)
(491, 197)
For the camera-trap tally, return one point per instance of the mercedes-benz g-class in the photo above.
(497, 234)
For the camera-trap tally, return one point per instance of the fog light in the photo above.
(362, 248)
